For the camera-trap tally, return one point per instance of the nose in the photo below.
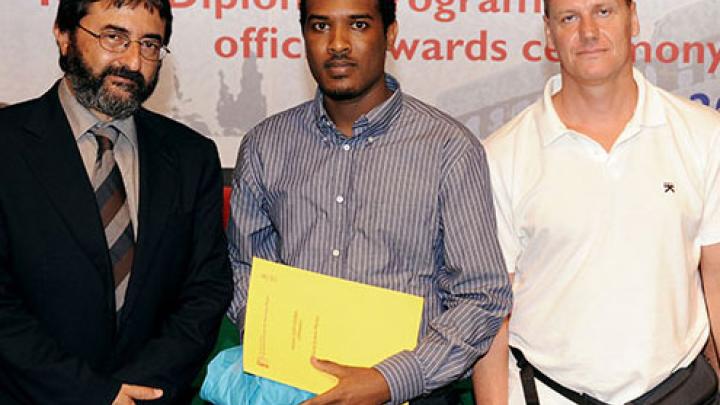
(131, 58)
(588, 28)
(339, 43)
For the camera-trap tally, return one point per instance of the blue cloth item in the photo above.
(227, 384)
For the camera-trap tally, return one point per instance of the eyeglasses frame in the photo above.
(164, 51)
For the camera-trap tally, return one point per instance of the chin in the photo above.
(598, 68)
(340, 93)
(591, 73)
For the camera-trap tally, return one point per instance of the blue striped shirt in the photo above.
(403, 204)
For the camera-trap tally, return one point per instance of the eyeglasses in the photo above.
(118, 42)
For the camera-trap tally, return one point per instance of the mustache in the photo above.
(339, 59)
(125, 73)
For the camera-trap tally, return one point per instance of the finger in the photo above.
(329, 397)
(144, 393)
(329, 367)
(123, 400)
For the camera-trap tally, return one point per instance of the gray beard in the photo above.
(91, 92)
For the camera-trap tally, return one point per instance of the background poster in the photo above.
(235, 62)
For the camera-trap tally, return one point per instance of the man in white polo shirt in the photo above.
(607, 192)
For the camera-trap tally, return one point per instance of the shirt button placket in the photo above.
(340, 199)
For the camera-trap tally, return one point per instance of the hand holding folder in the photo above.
(293, 315)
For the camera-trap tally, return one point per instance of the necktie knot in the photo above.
(106, 137)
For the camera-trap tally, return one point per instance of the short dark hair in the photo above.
(70, 12)
(386, 8)
(547, 7)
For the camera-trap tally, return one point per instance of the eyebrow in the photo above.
(593, 6)
(125, 31)
(352, 17)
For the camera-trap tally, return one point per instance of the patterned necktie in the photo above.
(112, 202)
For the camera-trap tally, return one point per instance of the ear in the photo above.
(634, 20)
(62, 39)
(548, 33)
(391, 35)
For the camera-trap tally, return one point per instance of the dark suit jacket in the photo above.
(60, 341)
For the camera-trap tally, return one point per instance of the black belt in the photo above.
(528, 374)
(695, 384)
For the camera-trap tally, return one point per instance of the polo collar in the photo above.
(550, 125)
(649, 111)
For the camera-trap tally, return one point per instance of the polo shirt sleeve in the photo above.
(501, 183)
(710, 225)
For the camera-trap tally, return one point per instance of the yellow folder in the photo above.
(294, 314)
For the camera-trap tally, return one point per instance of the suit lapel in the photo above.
(158, 191)
(53, 156)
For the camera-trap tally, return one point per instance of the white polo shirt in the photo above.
(605, 246)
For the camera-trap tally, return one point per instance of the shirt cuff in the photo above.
(404, 376)
(709, 237)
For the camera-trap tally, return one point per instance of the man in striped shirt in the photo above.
(371, 185)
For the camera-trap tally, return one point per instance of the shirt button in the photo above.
(339, 199)
(371, 140)
(346, 147)
(335, 253)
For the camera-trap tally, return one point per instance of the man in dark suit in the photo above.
(113, 265)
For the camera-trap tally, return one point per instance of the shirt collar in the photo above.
(81, 119)
(649, 111)
(375, 122)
